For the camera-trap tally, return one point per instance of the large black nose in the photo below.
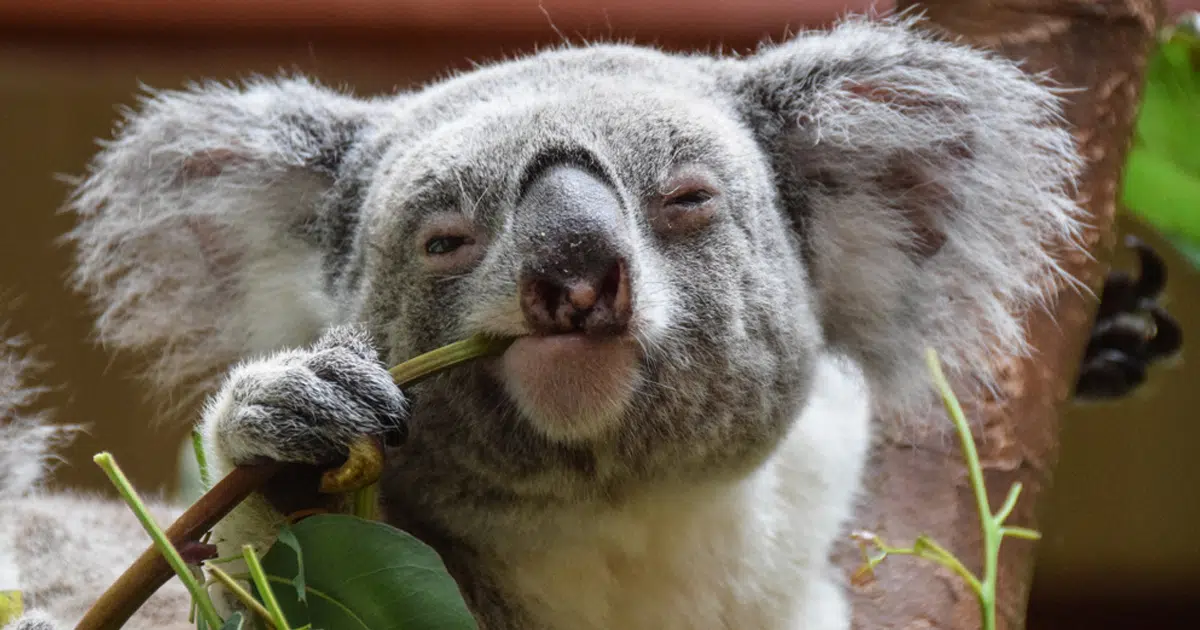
(575, 276)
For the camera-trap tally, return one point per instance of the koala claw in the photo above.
(363, 466)
(1132, 331)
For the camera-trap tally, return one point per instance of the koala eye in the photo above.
(688, 205)
(449, 243)
(690, 198)
(441, 245)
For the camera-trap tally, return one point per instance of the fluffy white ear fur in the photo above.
(194, 242)
(61, 549)
(28, 440)
(931, 186)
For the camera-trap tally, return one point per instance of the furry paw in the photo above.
(307, 406)
(1131, 333)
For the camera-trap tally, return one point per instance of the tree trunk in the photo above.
(922, 487)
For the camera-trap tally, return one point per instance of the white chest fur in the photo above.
(746, 555)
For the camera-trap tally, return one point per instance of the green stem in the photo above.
(991, 532)
(420, 367)
(264, 587)
(1009, 503)
(927, 549)
(201, 459)
(242, 594)
(199, 595)
(950, 561)
(1020, 532)
(366, 502)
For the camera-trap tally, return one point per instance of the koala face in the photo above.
(674, 239)
(625, 227)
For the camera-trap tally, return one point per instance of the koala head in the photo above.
(624, 226)
(674, 239)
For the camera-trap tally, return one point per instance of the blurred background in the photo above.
(1122, 545)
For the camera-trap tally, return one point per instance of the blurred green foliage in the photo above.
(1162, 175)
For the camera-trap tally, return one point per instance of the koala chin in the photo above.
(716, 271)
(572, 387)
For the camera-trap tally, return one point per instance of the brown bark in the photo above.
(922, 487)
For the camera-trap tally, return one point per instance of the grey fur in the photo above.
(27, 440)
(878, 191)
(60, 548)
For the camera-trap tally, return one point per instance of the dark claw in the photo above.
(1132, 331)
(1168, 337)
(1153, 278)
(1118, 296)
(1110, 374)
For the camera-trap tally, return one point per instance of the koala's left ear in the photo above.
(928, 184)
(212, 226)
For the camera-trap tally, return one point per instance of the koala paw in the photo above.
(1132, 331)
(308, 406)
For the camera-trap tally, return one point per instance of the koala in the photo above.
(87, 551)
(716, 272)
(61, 565)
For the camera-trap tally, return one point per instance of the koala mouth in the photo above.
(572, 386)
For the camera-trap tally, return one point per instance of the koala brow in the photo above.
(559, 156)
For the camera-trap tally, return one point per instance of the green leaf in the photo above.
(365, 574)
(288, 538)
(234, 622)
(1162, 193)
(1161, 179)
(1189, 249)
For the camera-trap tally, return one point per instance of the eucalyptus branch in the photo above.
(199, 595)
(993, 528)
(150, 571)
(259, 577)
(241, 593)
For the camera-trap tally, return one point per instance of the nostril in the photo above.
(595, 304)
(611, 286)
(619, 296)
(547, 294)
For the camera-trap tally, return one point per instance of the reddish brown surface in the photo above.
(922, 488)
(751, 16)
(488, 15)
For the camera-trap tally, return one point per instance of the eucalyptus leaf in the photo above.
(234, 622)
(364, 574)
(286, 537)
(1161, 179)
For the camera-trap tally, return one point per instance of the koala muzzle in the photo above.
(575, 277)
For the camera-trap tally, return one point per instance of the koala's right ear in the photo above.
(929, 187)
(209, 226)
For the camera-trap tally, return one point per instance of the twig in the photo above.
(162, 543)
(242, 594)
(264, 588)
(150, 571)
(421, 367)
(992, 525)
